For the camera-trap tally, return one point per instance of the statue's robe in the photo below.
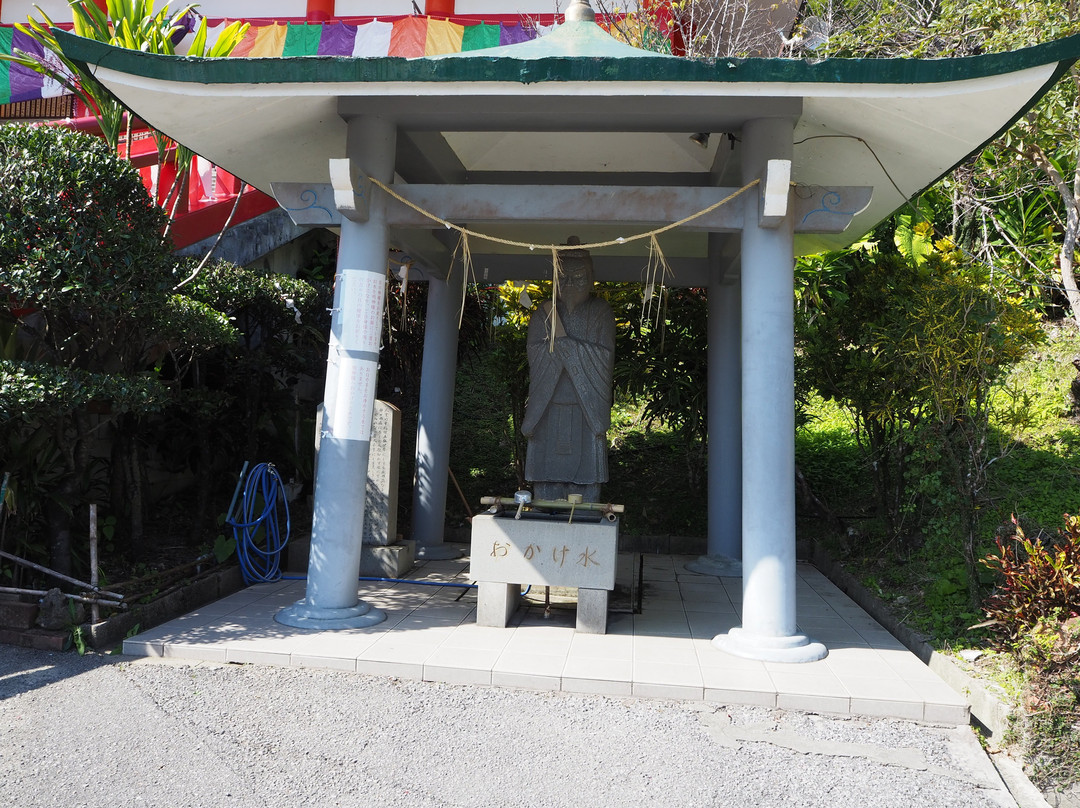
(569, 408)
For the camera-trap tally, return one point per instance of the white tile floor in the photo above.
(664, 652)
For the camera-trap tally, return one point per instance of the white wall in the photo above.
(359, 8)
(248, 8)
(18, 10)
(364, 8)
(530, 6)
(509, 6)
(59, 11)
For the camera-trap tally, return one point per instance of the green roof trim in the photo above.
(476, 68)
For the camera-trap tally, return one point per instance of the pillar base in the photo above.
(719, 565)
(437, 552)
(303, 615)
(795, 648)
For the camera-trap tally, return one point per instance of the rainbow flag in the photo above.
(407, 37)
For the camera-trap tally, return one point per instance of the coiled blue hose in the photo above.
(260, 561)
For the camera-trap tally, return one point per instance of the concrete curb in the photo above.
(213, 586)
(1026, 794)
(986, 708)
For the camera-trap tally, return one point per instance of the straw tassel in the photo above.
(467, 270)
(556, 271)
(657, 271)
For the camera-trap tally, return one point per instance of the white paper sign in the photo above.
(363, 298)
(355, 398)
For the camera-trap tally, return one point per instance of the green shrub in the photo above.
(1034, 610)
(1039, 580)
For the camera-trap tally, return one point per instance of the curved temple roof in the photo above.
(578, 108)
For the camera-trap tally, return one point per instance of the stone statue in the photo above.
(569, 407)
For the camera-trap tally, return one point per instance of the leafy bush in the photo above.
(1037, 480)
(97, 321)
(827, 453)
(911, 344)
(1034, 610)
(1039, 581)
(31, 390)
(80, 240)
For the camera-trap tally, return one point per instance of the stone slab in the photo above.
(214, 585)
(592, 605)
(383, 561)
(544, 553)
(37, 638)
(381, 501)
(381, 491)
(16, 614)
(389, 561)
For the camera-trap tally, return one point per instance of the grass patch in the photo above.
(828, 454)
(1036, 477)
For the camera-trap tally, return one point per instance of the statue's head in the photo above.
(576, 275)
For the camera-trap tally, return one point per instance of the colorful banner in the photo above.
(478, 37)
(26, 84)
(408, 37)
(443, 37)
(302, 40)
(5, 67)
(373, 39)
(338, 39)
(18, 83)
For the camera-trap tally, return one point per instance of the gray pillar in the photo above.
(435, 417)
(769, 631)
(725, 426)
(355, 333)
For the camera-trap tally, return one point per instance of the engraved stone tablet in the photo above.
(380, 508)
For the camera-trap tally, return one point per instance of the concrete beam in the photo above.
(815, 209)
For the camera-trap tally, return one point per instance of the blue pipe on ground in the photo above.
(392, 581)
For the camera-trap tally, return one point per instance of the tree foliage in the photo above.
(662, 360)
(705, 28)
(80, 243)
(911, 344)
(1034, 167)
(32, 391)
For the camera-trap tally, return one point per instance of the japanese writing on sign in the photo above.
(559, 554)
(355, 395)
(544, 553)
(362, 307)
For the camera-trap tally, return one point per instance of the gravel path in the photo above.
(108, 731)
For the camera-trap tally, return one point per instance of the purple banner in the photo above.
(337, 39)
(513, 34)
(26, 84)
